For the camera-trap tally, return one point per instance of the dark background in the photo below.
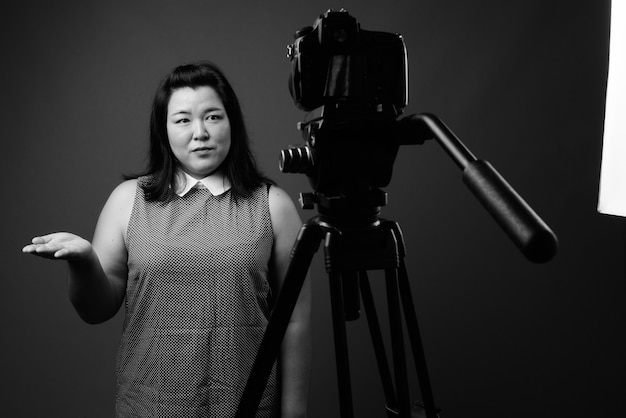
(522, 83)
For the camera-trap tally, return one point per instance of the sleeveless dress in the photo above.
(197, 303)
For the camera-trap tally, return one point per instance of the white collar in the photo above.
(217, 183)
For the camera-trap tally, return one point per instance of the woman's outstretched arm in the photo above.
(97, 270)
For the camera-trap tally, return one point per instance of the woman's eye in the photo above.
(182, 120)
(214, 117)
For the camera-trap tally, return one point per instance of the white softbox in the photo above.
(612, 195)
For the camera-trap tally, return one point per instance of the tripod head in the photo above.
(348, 158)
(353, 83)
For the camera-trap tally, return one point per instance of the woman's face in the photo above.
(198, 130)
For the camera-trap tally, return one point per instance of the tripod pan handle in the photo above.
(527, 230)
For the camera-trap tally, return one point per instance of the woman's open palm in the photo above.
(59, 246)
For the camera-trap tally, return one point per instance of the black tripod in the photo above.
(352, 246)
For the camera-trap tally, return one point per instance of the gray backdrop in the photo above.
(521, 82)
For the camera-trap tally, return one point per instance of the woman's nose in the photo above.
(200, 131)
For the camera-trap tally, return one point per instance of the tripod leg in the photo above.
(412, 325)
(416, 343)
(304, 248)
(351, 295)
(341, 346)
(378, 345)
(397, 342)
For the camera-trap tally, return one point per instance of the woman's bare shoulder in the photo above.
(116, 212)
(125, 191)
(122, 198)
(283, 211)
(279, 200)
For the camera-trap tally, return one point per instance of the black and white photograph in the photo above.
(307, 209)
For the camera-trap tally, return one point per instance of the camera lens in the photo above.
(296, 160)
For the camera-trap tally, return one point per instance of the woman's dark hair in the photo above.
(239, 166)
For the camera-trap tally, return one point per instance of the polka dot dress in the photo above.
(197, 303)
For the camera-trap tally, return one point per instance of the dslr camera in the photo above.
(335, 61)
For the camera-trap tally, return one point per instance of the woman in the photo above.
(196, 246)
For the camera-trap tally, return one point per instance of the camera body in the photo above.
(337, 61)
